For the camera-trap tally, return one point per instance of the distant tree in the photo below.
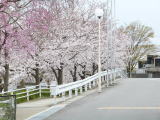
(139, 46)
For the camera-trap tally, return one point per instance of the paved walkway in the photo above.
(27, 109)
(132, 99)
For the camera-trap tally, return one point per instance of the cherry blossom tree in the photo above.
(54, 40)
(10, 13)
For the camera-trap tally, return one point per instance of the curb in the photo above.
(44, 114)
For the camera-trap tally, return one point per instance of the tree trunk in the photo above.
(83, 74)
(6, 67)
(58, 74)
(1, 87)
(1, 84)
(36, 74)
(6, 77)
(94, 68)
(129, 69)
(74, 73)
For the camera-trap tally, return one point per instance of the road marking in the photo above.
(129, 108)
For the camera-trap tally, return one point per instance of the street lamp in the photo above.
(99, 15)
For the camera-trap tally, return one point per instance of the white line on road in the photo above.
(129, 108)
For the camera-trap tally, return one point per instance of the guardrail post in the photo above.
(90, 86)
(120, 74)
(97, 82)
(63, 96)
(54, 90)
(102, 79)
(27, 90)
(76, 91)
(115, 75)
(70, 93)
(114, 78)
(50, 90)
(94, 83)
(109, 79)
(40, 91)
(106, 76)
(54, 99)
(86, 87)
(106, 81)
(81, 90)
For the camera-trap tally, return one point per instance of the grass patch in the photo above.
(45, 93)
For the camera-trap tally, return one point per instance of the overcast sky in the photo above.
(145, 11)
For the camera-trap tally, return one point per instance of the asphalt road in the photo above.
(132, 99)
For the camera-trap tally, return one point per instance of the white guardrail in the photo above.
(107, 77)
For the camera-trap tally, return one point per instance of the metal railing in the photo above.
(108, 78)
(26, 93)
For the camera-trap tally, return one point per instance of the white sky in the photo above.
(145, 11)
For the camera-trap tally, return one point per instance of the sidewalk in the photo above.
(32, 110)
(25, 110)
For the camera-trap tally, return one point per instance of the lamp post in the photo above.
(99, 14)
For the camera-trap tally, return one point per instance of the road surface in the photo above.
(131, 99)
